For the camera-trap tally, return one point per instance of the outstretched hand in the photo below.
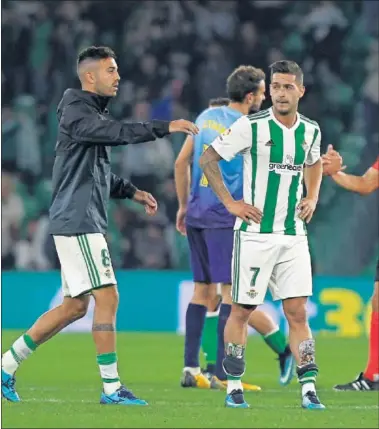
(147, 200)
(184, 126)
(332, 162)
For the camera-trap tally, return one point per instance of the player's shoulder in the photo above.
(209, 113)
(308, 121)
(262, 115)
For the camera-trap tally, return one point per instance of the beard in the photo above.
(254, 109)
(284, 110)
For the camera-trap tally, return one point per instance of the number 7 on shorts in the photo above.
(255, 272)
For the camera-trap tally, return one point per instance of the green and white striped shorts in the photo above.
(85, 263)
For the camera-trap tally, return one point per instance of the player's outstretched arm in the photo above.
(363, 185)
(182, 174)
(88, 128)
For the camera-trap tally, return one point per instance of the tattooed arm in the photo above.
(209, 164)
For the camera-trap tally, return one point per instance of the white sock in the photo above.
(192, 371)
(109, 373)
(110, 388)
(9, 363)
(234, 385)
(306, 387)
(18, 352)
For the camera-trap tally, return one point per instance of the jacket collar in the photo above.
(98, 101)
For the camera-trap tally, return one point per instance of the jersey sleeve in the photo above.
(376, 164)
(314, 152)
(234, 140)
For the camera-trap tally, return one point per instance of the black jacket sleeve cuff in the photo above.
(160, 128)
(129, 190)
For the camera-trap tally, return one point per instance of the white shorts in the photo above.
(280, 262)
(85, 263)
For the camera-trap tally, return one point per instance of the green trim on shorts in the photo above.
(234, 264)
(103, 286)
(91, 267)
(236, 276)
(97, 276)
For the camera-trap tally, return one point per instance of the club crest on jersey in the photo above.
(289, 159)
(287, 167)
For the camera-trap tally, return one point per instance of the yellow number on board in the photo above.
(346, 316)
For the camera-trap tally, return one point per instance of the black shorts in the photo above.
(377, 272)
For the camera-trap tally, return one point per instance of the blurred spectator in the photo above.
(150, 249)
(247, 49)
(212, 74)
(174, 56)
(11, 218)
(30, 251)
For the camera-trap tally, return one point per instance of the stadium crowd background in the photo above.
(173, 57)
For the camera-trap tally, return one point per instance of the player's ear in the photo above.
(302, 90)
(90, 77)
(248, 98)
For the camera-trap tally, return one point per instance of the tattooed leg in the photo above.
(307, 352)
(235, 336)
(104, 319)
(104, 335)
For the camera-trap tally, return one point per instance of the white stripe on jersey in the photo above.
(261, 177)
(289, 149)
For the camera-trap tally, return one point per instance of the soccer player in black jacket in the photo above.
(82, 185)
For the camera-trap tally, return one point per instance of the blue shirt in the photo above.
(204, 209)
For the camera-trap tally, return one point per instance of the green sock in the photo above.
(308, 377)
(276, 341)
(209, 338)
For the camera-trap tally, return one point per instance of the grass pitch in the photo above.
(60, 388)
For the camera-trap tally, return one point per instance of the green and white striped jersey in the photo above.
(273, 161)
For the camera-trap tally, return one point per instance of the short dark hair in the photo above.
(287, 67)
(95, 53)
(219, 101)
(242, 81)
